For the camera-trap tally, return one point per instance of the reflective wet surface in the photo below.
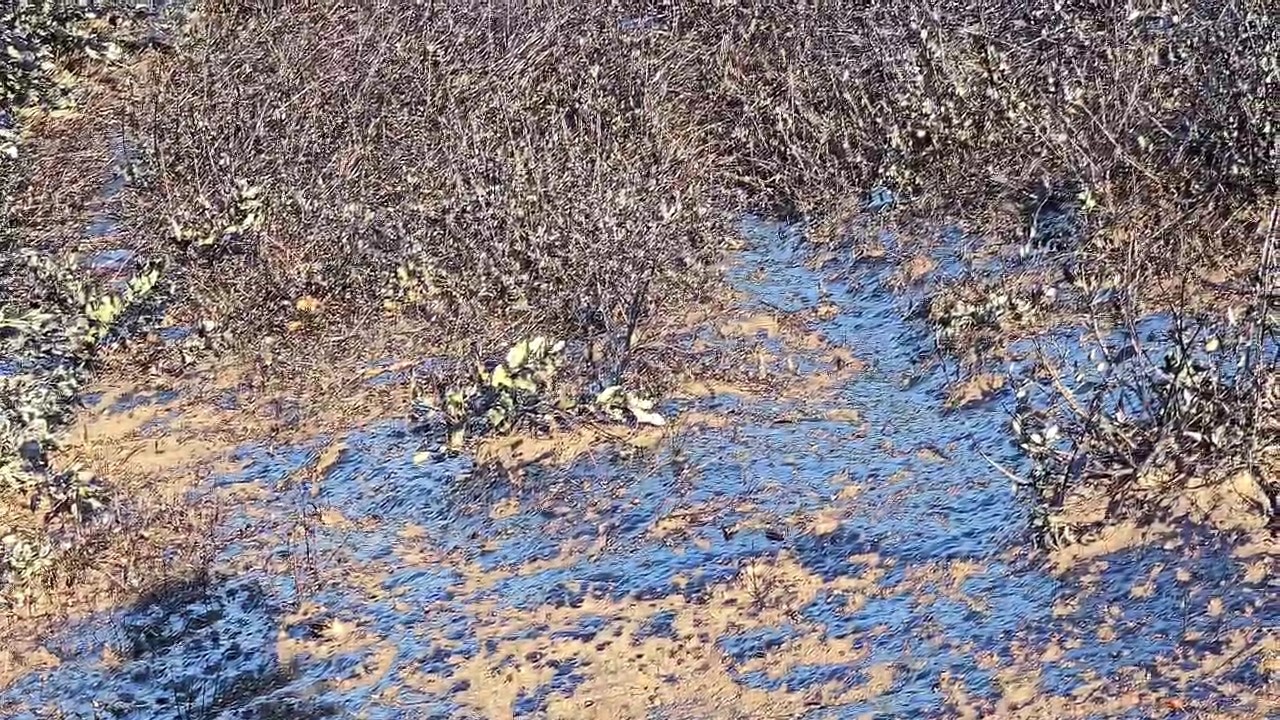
(845, 551)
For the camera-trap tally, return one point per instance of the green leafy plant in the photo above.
(23, 559)
(502, 396)
(40, 40)
(49, 348)
(414, 282)
(958, 315)
(75, 491)
(240, 213)
(523, 387)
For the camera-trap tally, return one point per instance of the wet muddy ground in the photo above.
(839, 549)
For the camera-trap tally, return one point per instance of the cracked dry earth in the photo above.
(839, 549)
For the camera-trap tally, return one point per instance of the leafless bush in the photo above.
(487, 151)
(472, 163)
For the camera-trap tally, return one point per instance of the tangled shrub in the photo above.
(474, 156)
(1125, 433)
(478, 169)
(958, 107)
(1133, 143)
(40, 39)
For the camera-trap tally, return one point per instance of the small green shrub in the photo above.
(522, 389)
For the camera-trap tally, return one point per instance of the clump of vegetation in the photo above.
(536, 177)
(1145, 420)
(501, 397)
(960, 315)
(239, 213)
(509, 139)
(39, 42)
(1122, 196)
(54, 317)
(47, 346)
(522, 390)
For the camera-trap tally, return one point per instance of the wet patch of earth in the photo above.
(845, 551)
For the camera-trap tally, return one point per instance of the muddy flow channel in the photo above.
(843, 554)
